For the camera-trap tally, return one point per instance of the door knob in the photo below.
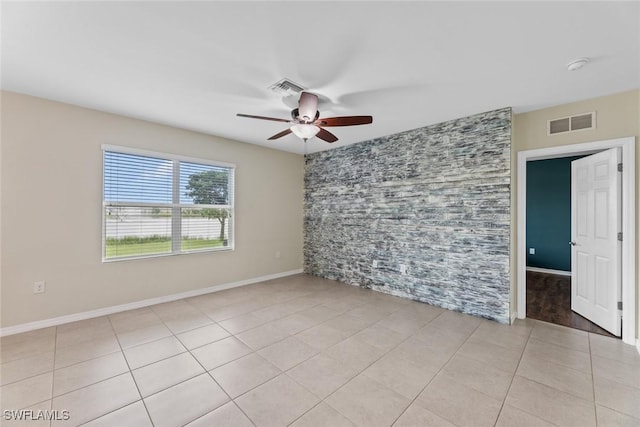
(572, 243)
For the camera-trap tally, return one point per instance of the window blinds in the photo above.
(158, 204)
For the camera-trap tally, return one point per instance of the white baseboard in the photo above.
(549, 271)
(514, 315)
(638, 345)
(39, 324)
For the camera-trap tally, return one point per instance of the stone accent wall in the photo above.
(434, 199)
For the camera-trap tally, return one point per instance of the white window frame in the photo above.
(175, 206)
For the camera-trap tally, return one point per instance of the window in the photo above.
(157, 204)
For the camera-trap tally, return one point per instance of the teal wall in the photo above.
(549, 213)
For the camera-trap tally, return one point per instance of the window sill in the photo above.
(195, 251)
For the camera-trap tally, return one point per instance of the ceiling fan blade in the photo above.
(345, 121)
(281, 134)
(325, 135)
(263, 118)
(307, 107)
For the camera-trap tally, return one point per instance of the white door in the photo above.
(596, 207)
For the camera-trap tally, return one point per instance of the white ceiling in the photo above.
(195, 65)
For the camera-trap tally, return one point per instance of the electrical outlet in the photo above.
(532, 251)
(39, 287)
(374, 264)
(403, 269)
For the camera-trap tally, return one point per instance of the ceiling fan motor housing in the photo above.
(295, 115)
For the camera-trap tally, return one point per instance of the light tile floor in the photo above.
(305, 351)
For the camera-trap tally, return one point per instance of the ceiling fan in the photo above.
(306, 122)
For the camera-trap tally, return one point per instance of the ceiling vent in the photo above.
(570, 124)
(286, 87)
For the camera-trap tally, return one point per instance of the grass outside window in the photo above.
(154, 245)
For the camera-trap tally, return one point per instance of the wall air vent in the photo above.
(286, 87)
(570, 124)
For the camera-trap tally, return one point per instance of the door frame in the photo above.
(628, 222)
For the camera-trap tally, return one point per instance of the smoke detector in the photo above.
(577, 64)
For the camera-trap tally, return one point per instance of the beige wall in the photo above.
(50, 182)
(51, 177)
(617, 116)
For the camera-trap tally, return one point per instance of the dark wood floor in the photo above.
(549, 299)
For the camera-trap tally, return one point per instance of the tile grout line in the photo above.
(98, 382)
(41, 373)
(205, 372)
(289, 335)
(504, 400)
(58, 369)
(221, 388)
(341, 313)
(365, 368)
(284, 372)
(436, 374)
(544, 385)
(253, 310)
(188, 379)
(88, 385)
(173, 334)
(320, 399)
(132, 377)
(593, 381)
(323, 400)
(53, 368)
(567, 348)
(131, 371)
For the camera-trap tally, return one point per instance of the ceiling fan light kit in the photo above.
(305, 131)
(306, 121)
